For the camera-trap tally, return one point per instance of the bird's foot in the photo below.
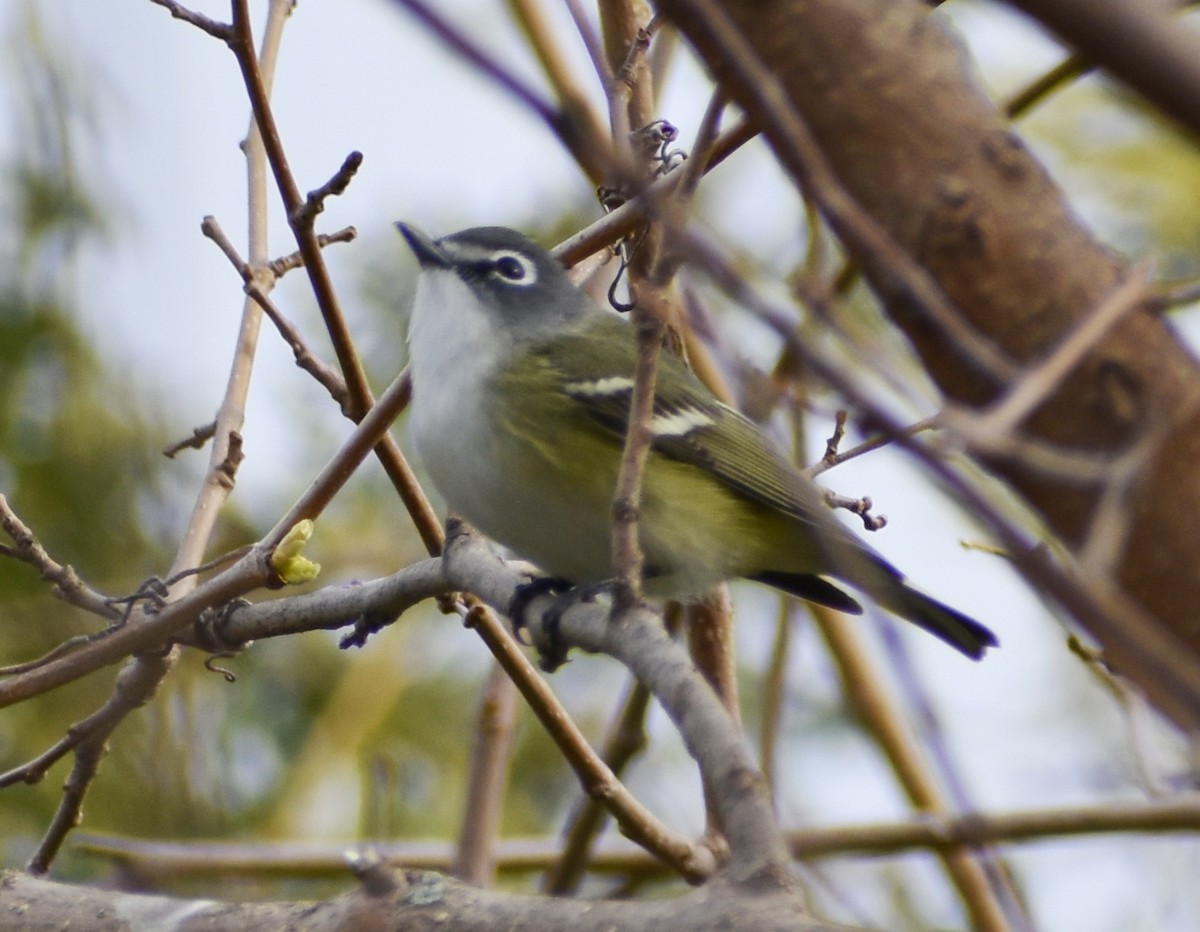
(552, 653)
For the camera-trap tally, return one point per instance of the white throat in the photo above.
(454, 351)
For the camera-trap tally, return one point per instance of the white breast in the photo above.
(453, 352)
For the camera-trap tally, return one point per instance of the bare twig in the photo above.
(630, 96)
(326, 375)
(152, 860)
(708, 626)
(1037, 384)
(548, 48)
(215, 29)
(591, 41)
(67, 584)
(1137, 43)
(702, 149)
(627, 553)
(1022, 101)
(592, 153)
(893, 271)
(250, 572)
(835, 458)
(314, 203)
(139, 679)
(1123, 624)
(464, 555)
(359, 393)
(625, 738)
(333, 607)
(200, 436)
(858, 506)
(623, 220)
(773, 689)
(864, 686)
(835, 439)
(135, 686)
(295, 260)
(1112, 516)
(638, 640)
(491, 756)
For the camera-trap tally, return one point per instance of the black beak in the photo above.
(427, 251)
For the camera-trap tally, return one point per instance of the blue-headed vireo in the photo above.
(521, 394)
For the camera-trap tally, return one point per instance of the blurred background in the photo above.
(119, 131)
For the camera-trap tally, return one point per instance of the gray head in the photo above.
(505, 273)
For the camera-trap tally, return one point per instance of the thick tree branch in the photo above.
(1140, 43)
(940, 172)
(412, 900)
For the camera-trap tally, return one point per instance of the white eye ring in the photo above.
(514, 269)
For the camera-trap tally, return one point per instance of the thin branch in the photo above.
(250, 572)
(67, 584)
(360, 397)
(627, 552)
(630, 94)
(134, 687)
(1112, 516)
(773, 693)
(625, 739)
(468, 557)
(491, 757)
(328, 377)
(295, 260)
(863, 684)
(638, 640)
(217, 30)
(547, 46)
(707, 135)
(894, 273)
(1040, 88)
(620, 222)
(834, 457)
(1043, 379)
(708, 628)
(155, 861)
(924, 721)
(1137, 43)
(1123, 624)
(139, 679)
(591, 41)
(856, 506)
(216, 487)
(592, 153)
(200, 436)
(314, 203)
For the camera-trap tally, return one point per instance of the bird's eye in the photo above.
(513, 268)
(510, 268)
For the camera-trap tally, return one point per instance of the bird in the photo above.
(522, 387)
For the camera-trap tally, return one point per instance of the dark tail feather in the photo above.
(950, 625)
(811, 589)
(890, 591)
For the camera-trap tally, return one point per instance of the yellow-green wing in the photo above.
(688, 423)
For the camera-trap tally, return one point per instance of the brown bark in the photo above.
(887, 94)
